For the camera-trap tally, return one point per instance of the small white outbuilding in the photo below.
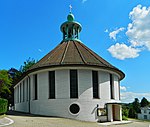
(71, 81)
(145, 113)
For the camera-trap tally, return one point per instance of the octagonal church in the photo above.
(71, 81)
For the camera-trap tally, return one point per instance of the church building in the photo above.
(71, 81)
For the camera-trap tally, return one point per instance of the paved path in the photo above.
(5, 121)
(25, 120)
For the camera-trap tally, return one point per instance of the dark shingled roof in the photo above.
(73, 53)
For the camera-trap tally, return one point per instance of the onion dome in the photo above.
(71, 29)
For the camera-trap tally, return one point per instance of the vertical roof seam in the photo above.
(65, 51)
(80, 53)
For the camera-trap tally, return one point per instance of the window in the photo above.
(23, 91)
(74, 108)
(95, 84)
(35, 87)
(20, 92)
(51, 84)
(145, 116)
(27, 90)
(145, 111)
(73, 84)
(111, 86)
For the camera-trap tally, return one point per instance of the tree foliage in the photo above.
(23, 68)
(132, 109)
(136, 105)
(27, 64)
(132, 113)
(144, 102)
(125, 111)
(3, 105)
(5, 82)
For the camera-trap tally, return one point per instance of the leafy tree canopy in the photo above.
(27, 64)
(144, 102)
(5, 81)
(136, 105)
(23, 68)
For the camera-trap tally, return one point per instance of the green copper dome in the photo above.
(70, 17)
(71, 29)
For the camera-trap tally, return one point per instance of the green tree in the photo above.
(132, 113)
(125, 112)
(27, 64)
(144, 102)
(23, 68)
(136, 105)
(5, 82)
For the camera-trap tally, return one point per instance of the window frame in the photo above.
(51, 77)
(35, 87)
(95, 84)
(74, 84)
(112, 96)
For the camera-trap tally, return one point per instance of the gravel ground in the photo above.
(36, 121)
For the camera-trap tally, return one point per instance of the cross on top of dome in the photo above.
(71, 29)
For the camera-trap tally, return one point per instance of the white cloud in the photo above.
(138, 31)
(122, 51)
(127, 97)
(106, 31)
(114, 33)
(123, 88)
(39, 50)
(83, 1)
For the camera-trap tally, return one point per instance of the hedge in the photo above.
(3, 105)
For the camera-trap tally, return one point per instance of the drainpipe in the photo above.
(29, 93)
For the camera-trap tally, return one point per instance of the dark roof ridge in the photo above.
(65, 51)
(96, 56)
(80, 53)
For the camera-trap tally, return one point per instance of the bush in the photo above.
(124, 118)
(3, 105)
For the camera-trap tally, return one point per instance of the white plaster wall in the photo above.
(15, 95)
(32, 92)
(85, 84)
(60, 105)
(43, 87)
(62, 84)
(116, 88)
(110, 113)
(104, 84)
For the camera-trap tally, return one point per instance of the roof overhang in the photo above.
(120, 73)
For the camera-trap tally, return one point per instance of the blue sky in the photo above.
(117, 30)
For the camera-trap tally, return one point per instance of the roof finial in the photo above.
(70, 7)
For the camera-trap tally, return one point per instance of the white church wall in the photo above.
(85, 84)
(60, 105)
(20, 97)
(104, 85)
(43, 87)
(116, 88)
(62, 81)
(32, 92)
